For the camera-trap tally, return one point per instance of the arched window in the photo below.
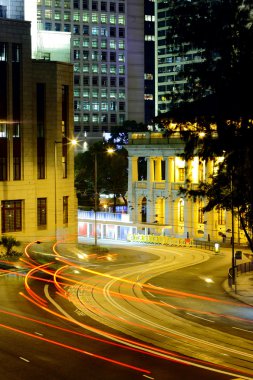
(200, 211)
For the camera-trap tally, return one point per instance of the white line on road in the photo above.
(168, 304)
(25, 360)
(148, 377)
(237, 328)
(150, 294)
(37, 333)
(196, 316)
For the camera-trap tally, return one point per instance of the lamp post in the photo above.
(72, 142)
(109, 151)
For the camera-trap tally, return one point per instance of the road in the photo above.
(133, 321)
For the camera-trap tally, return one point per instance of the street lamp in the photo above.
(109, 151)
(72, 142)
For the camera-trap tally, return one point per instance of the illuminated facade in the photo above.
(37, 193)
(156, 174)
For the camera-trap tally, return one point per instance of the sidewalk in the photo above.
(243, 288)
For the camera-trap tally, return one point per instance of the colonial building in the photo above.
(37, 193)
(156, 205)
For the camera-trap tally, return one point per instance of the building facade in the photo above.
(169, 62)
(36, 124)
(156, 206)
(107, 50)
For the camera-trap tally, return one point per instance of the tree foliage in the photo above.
(111, 173)
(119, 134)
(214, 112)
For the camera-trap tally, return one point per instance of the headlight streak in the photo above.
(169, 292)
(150, 350)
(112, 361)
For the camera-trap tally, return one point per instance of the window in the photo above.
(200, 212)
(94, 55)
(86, 106)
(103, 93)
(112, 69)
(11, 216)
(103, 6)
(95, 118)
(112, 56)
(113, 81)
(95, 93)
(103, 56)
(48, 26)
(76, 16)
(104, 68)
(112, 19)
(86, 118)
(121, 69)
(76, 29)
(66, 16)
(112, 7)
(113, 118)
(121, 20)
(85, 55)
(94, 43)
(66, 27)
(122, 106)
(112, 31)
(121, 57)
(48, 14)
(121, 7)
(85, 30)
(112, 44)
(94, 5)
(181, 174)
(76, 54)
(85, 4)
(103, 18)
(113, 106)
(113, 94)
(104, 106)
(121, 33)
(95, 30)
(121, 44)
(76, 4)
(94, 68)
(42, 212)
(86, 67)
(86, 42)
(121, 82)
(95, 81)
(103, 44)
(65, 209)
(181, 210)
(86, 93)
(86, 81)
(57, 27)
(104, 81)
(76, 79)
(104, 118)
(221, 216)
(86, 17)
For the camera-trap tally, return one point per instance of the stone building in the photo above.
(37, 193)
(156, 206)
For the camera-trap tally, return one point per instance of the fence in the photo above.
(239, 269)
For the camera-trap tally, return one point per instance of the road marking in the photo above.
(150, 293)
(25, 360)
(237, 328)
(196, 316)
(37, 333)
(167, 304)
(148, 377)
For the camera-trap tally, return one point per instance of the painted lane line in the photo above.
(150, 293)
(237, 328)
(168, 304)
(149, 377)
(37, 333)
(196, 316)
(24, 359)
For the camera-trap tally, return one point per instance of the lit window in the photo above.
(103, 18)
(86, 67)
(121, 44)
(95, 106)
(95, 68)
(94, 17)
(112, 44)
(94, 43)
(95, 31)
(76, 16)
(112, 69)
(121, 20)
(86, 17)
(48, 14)
(86, 106)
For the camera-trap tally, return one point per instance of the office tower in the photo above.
(149, 60)
(107, 51)
(37, 193)
(169, 63)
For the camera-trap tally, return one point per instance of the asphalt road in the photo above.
(36, 342)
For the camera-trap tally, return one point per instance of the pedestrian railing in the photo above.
(239, 269)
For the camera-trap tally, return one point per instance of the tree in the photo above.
(111, 173)
(215, 102)
(9, 242)
(119, 134)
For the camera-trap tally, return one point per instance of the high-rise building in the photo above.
(149, 60)
(37, 194)
(169, 62)
(107, 50)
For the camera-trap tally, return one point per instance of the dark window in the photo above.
(121, 32)
(121, 82)
(103, 6)
(3, 157)
(113, 118)
(76, 29)
(57, 27)
(76, 79)
(112, 56)
(48, 26)
(41, 130)
(86, 30)
(112, 81)
(65, 210)
(122, 106)
(85, 4)
(95, 81)
(103, 81)
(76, 4)
(104, 56)
(86, 81)
(94, 5)
(112, 31)
(66, 27)
(11, 216)
(121, 7)
(42, 212)
(112, 7)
